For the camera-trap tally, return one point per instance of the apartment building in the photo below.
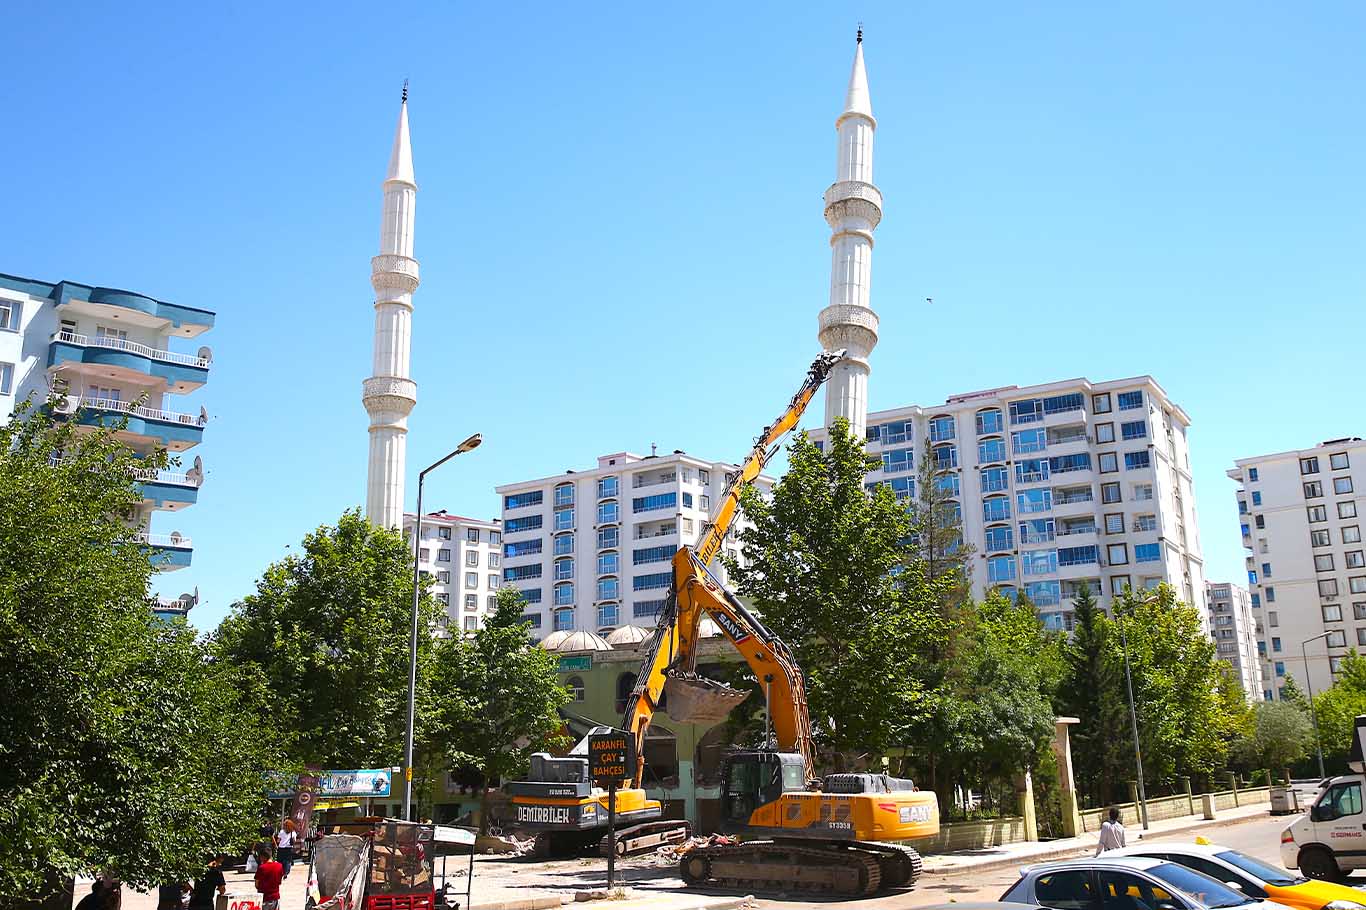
(1300, 516)
(1059, 486)
(114, 354)
(1234, 630)
(464, 557)
(591, 549)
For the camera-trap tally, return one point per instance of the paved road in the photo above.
(1259, 837)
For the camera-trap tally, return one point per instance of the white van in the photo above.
(1331, 837)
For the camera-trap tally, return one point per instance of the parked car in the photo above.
(1126, 883)
(1330, 838)
(1251, 876)
(1254, 877)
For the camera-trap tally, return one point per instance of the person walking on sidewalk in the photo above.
(1111, 834)
(268, 876)
(287, 840)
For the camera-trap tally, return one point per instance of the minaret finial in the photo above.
(405, 81)
(858, 39)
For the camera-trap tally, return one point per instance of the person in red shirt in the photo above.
(268, 876)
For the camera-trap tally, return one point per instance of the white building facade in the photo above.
(463, 556)
(592, 549)
(1301, 516)
(116, 354)
(1063, 485)
(1234, 630)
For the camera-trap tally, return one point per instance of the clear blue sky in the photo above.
(620, 230)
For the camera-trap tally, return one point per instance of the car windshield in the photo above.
(1208, 891)
(1272, 875)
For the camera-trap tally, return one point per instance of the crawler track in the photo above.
(849, 870)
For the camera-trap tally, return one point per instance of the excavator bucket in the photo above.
(697, 700)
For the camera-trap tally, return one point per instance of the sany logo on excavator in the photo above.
(730, 627)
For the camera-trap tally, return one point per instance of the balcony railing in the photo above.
(151, 475)
(1082, 529)
(662, 532)
(638, 482)
(1063, 499)
(73, 403)
(163, 540)
(132, 347)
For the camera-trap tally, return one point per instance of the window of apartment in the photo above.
(1136, 429)
(609, 512)
(6, 378)
(1252, 474)
(1354, 559)
(564, 593)
(1317, 513)
(1079, 556)
(471, 557)
(443, 533)
(1027, 411)
(443, 577)
(471, 601)
(1275, 644)
(1117, 554)
(1145, 522)
(1280, 668)
(650, 582)
(609, 589)
(472, 579)
(945, 457)
(898, 461)
(608, 615)
(1128, 401)
(994, 480)
(1266, 570)
(530, 595)
(521, 500)
(1313, 489)
(1270, 594)
(657, 501)
(1342, 485)
(444, 599)
(564, 622)
(608, 538)
(1118, 583)
(1143, 492)
(564, 519)
(1031, 501)
(1332, 613)
(942, 428)
(563, 544)
(1309, 465)
(1147, 552)
(1273, 619)
(1000, 568)
(1109, 493)
(1328, 587)
(1039, 562)
(1037, 530)
(1323, 562)
(1242, 507)
(1135, 460)
(989, 421)
(1256, 498)
(607, 487)
(515, 573)
(1100, 403)
(527, 523)
(564, 568)
(1260, 522)
(1061, 404)
(1025, 441)
(10, 311)
(1031, 470)
(1351, 534)
(999, 538)
(996, 508)
(493, 582)
(1320, 538)
(495, 538)
(704, 502)
(1357, 584)
(1347, 510)
(990, 450)
(1114, 523)
(1105, 432)
(424, 554)
(1060, 464)
(687, 500)
(1338, 461)
(1109, 462)
(564, 494)
(495, 559)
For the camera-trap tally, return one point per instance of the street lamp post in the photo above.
(1313, 713)
(1133, 719)
(467, 445)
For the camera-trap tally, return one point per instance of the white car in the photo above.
(1330, 838)
(1126, 883)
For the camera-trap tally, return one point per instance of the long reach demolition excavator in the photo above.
(795, 830)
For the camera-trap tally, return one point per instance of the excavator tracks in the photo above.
(847, 870)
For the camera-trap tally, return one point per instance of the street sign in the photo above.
(611, 756)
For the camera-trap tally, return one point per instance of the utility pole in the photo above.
(1313, 713)
(1133, 718)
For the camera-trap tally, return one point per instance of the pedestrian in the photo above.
(171, 896)
(1111, 834)
(96, 899)
(202, 895)
(287, 841)
(269, 874)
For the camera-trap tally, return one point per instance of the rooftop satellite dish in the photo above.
(205, 354)
(199, 464)
(176, 538)
(203, 415)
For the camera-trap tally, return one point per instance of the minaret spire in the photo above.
(853, 208)
(389, 394)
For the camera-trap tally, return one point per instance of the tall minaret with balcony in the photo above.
(853, 208)
(389, 394)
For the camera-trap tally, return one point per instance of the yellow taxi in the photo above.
(1254, 877)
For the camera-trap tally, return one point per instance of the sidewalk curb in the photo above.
(1075, 851)
(555, 901)
(530, 903)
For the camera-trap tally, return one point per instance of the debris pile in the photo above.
(669, 854)
(506, 844)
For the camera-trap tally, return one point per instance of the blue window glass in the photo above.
(687, 500)
(608, 538)
(1130, 400)
(531, 595)
(1246, 530)
(647, 609)
(649, 582)
(1135, 460)
(945, 457)
(994, 480)
(527, 523)
(1270, 594)
(1079, 461)
(947, 483)
(564, 620)
(1037, 530)
(1147, 552)
(609, 589)
(564, 568)
(1053, 622)
(1136, 429)
(1252, 474)
(1025, 441)
(1027, 411)
(522, 548)
(996, 508)
(897, 461)
(1078, 556)
(657, 501)
(609, 615)
(989, 450)
(521, 500)
(903, 487)
(998, 539)
(1280, 668)
(517, 573)
(1266, 570)
(1256, 600)
(1043, 593)
(1000, 568)
(607, 487)
(609, 563)
(564, 494)
(609, 512)
(1060, 404)
(895, 431)
(989, 421)
(564, 593)
(952, 511)
(820, 446)
(1031, 470)
(564, 544)
(1252, 576)
(942, 428)
(1039, 562)
(1261, 648)
(1256, 499)
(652, 554)
(1034, 501)
(1275, 644)
(872, 433)
(564, 519)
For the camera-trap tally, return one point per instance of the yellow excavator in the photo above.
(795, 831)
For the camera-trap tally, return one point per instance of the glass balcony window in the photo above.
(1043, 593)
(991, 450)
(1023, 442)
(942, 428)
(1128, 401)
(996, 508)
(564, 544)
(564, 594)
(608, 538)
(1061, 404)
(1039, 562)
(609, 615)
(1069, 495)
(609, 563)
(999, 539)
(1078, 556)
(1031, 501)
(1078, 461)
(994, 480)
(896, 461)
(564, 569)
(1062, 436)
(608, 487)
(1135, 460)
(1137, 429)
(609, 512)
(945, 457)
(564, 519)
(609, 589)
(564, 494)
(1031, 470)
(947, 484)
(1000, 569)
(522, 500)
(657, 501)
(1028, 411)
(564, 620)
(526, 523)
(1037, 530)
(989, 421)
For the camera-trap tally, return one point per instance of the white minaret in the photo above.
(853, 208)
(389, 395)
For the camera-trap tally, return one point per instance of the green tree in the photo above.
(496, 697)
(829, 567)
(1093, 692)
(329, 630)
(123, 747)
(1338, 707)
(937, 530)
(1280, 737)
(1291, 693)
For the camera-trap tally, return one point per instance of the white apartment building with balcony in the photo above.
(1301, 514)
(113, 354)
(464, 558)
(592, 549)
(1234, 630)
(1059, 485)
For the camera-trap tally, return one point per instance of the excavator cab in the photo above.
(751, 780)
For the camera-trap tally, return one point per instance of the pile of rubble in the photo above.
(506, 844)
(669, 854)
